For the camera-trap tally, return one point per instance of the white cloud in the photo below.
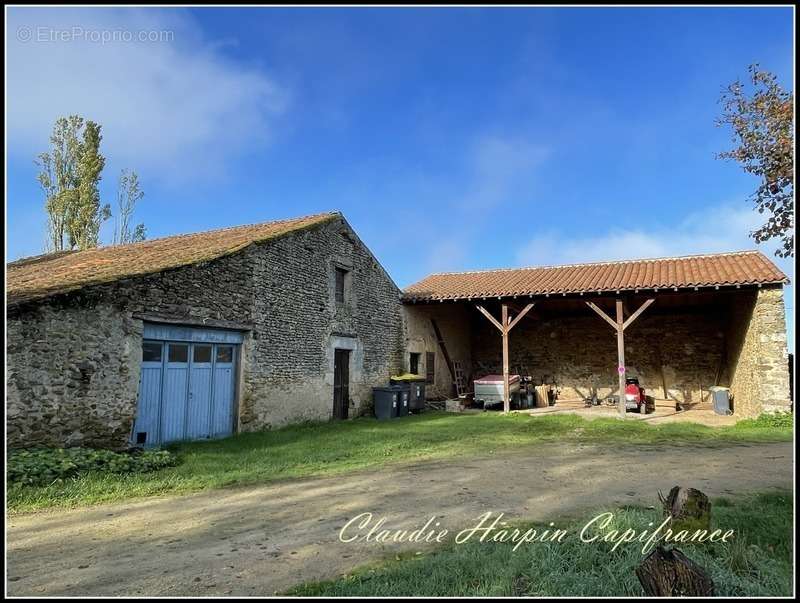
(175, 109)
(497, 170)
(713, 229)
(499, 166)
(446, 255)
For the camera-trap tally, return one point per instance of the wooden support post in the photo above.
(506, 386)
(621, 357)
(491, 318)
(505, 326)
(636, 314)
(602, 314)
(620, 324)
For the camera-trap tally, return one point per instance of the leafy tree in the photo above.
(763, 130)
(59, 177)
(70, 174)
(128, 194)
(84, 227)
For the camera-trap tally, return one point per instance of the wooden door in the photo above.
(198, 412)
(148, 418)
(341, 383)
(175, 395)
(224, 389)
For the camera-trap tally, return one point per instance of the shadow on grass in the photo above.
(330, 448)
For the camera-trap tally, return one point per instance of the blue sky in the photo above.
(451, 139)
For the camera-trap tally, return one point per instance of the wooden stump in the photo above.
(666, 573)
(689, 509)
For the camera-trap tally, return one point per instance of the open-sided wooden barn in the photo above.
(681, 325)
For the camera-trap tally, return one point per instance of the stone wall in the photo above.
(72, 375)
(454, 325)
(299, 324)
(49, 342)
(679, 352)
(74, 359)
(758, 356)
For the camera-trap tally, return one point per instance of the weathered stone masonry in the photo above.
(74, 359)
(73, 374)
(758, 356)
(299, 324)
(735, 338)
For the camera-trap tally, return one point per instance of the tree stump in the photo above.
(688, 509)
(666, 573)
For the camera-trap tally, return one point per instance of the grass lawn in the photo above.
(757, 562)
(337, 447)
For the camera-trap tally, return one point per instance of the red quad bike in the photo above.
(634, 396)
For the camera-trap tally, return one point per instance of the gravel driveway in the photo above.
(261, 540)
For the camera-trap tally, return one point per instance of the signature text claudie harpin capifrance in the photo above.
(492, 527)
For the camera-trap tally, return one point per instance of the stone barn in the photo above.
(198, 335)
(680, 325)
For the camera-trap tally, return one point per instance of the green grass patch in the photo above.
(319, 449)
(43, 466)
(757, 562)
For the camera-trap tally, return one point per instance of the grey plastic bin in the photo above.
(385, 400)
(417, 401)
(721, 397)
(403, 399)
(416, 388)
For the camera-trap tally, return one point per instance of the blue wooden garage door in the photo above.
(187, 389)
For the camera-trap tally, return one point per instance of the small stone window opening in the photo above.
(413, 363)
(341, 274)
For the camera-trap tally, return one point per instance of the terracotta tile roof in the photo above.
(45, 275)
(738, 268)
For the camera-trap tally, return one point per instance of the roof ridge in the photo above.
(601, 263)
(53, 254)
(240, 226)
(40, 257)
(62, 272)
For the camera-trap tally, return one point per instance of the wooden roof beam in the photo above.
(602, 314)
(636, 314)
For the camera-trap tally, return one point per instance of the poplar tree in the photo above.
(70, 176)
(128, 195)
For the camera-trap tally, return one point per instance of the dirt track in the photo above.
(262, 540)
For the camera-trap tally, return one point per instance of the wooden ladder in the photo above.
(459, 379)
